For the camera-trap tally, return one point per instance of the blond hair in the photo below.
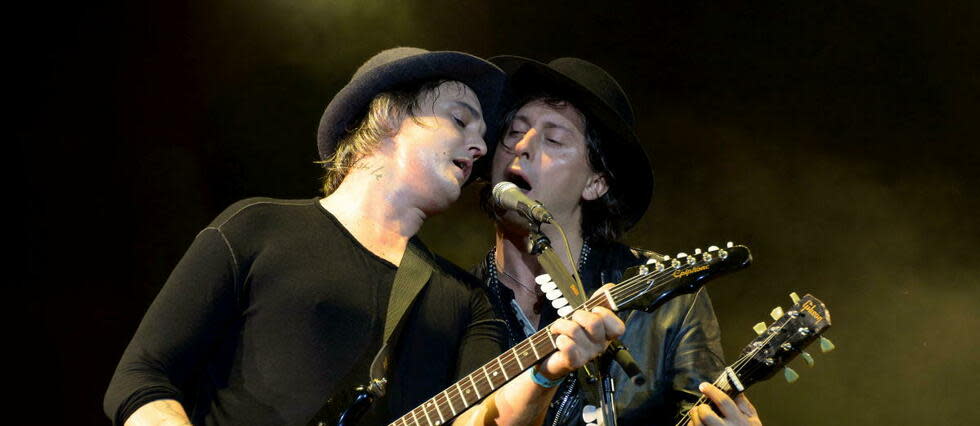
(382, 120)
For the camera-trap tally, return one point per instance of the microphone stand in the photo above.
(540, 246)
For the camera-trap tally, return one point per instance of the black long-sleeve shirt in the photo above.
(275, 307)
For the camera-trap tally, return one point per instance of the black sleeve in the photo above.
(483, 339)
(179, 330)
(697, 355)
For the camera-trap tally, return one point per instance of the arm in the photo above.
(195, 305)
(164, 412)
(698, 358)
(695, 350)
(522, 401)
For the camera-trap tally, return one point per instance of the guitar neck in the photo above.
(653, 284)
(471, 389)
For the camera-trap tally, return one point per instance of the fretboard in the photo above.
(471, 389)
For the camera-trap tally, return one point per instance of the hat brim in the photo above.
(627, 159)
(349, 106)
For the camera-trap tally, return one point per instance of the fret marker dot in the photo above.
(495, 374)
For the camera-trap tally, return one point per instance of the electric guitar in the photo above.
(647, 287)
(777, 345)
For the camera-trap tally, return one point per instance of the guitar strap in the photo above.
(413, 273)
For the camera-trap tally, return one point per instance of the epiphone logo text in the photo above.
(679, 274)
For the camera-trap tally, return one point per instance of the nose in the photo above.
(476, 146)
(525, 145)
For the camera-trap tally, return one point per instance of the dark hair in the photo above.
(603, 219)
(381, 120)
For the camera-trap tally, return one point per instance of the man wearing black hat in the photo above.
(279, 304)
(568, 142)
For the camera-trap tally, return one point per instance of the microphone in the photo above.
(507, 196)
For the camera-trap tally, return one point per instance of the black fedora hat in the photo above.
(401, 66)
(597, 94)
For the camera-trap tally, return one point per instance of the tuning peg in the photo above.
(565, 311)
(807, 358)
(559, 303)
(697, 251)
(548, 286)
(776, 312)
(790, 375)
(759, 328)
(542, 279)
(794, 297)
(713, 248)
(681, 255)
(553, 294)
(651, 260)
(730, 244)
(826, 345)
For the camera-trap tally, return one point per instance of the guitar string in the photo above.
(508, 359)
(737, 367)
(716, 383)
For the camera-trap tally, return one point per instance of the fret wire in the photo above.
(488, 377)
(476, 390)
(517, 357)
(502, 369)
(629, 288)
(547, 345)
(450, 402)
(435, 403)
(459, 390)
(426, 412)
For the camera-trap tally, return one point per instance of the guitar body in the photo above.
(344, 409)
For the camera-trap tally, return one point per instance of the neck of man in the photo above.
(374, 208)
(516, 264)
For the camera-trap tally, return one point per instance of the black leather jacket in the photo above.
(678, 346)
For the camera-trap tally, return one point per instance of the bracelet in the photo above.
(543, 381)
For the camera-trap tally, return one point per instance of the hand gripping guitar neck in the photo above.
(653, 284)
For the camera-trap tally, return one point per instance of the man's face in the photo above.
(435, 151)
(544, 153)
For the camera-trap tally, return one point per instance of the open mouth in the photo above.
(518, 180)
(463, 165)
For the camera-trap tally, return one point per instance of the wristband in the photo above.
(543, 381)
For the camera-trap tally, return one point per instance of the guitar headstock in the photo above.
(646, 287)
(785, 339)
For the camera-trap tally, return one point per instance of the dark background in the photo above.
(837, 140)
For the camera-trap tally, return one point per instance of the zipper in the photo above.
(560, 412)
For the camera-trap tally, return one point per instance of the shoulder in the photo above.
(615, 256)
(259, 209)
(453, 272)
(454, 282)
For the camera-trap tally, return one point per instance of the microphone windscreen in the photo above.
(499, 190)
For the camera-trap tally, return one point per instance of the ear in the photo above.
(595, 187)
